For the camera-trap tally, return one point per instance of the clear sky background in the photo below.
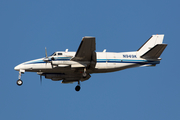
(146, 93)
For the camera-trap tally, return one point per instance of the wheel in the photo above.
(84, 75)
(19, 82)
(77, 88)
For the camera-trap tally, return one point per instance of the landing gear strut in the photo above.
(77, 88)
(19, 81)
(84, 74)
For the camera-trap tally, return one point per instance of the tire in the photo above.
(19, 82)
(77, 88)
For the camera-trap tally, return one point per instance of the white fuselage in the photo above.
(78, 66)
(106, 62)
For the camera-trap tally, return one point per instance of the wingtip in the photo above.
(88, 37)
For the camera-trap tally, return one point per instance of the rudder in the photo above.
(150, 43)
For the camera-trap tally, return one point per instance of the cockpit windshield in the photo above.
(54, 54)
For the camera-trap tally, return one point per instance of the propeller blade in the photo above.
(52, 65)
(41, 79)
(46, 52)
(46, 59)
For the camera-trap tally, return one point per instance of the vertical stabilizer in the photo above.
(153, 41)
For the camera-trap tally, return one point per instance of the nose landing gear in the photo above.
(19, 82)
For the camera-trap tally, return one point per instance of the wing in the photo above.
(86, 50)
(86, 53)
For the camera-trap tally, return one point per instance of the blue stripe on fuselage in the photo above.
(100, 61)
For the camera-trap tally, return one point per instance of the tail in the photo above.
(153, 48)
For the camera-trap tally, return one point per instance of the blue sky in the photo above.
(146, 93)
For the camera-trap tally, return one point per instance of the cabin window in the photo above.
(59, 53)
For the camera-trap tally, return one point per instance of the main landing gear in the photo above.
(19, 81)
(84, 74)
(77, 88)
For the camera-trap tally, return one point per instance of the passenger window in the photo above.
(55, 54)
(59, 53)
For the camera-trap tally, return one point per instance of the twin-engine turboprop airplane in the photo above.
(77, 66)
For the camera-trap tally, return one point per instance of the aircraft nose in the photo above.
(17, 68)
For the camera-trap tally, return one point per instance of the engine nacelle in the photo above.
(67, 78)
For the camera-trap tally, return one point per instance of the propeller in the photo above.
(46, 52)
(40, 74)
(46, 58)
(41, 79)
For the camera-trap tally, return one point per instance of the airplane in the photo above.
(77, 66)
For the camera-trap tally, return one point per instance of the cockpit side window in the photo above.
(56, 54)
(53, 54)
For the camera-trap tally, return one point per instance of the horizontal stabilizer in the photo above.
(155, 52)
